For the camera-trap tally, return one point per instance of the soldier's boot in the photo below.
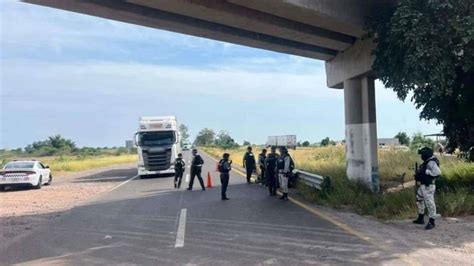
(431, 224)
(420, 220)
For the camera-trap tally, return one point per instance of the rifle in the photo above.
(416, 178)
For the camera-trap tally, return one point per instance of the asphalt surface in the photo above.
(137, 224)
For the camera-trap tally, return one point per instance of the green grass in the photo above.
(455, 189)
(75, 164)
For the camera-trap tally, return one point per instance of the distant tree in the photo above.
(61, 143)
(326, 142)
(184, 133)
(403, 138)
(425, 51)
(247, 143)
(306, 144)
(52, 146)
(419, 141)
(224, 140)
(205, 137)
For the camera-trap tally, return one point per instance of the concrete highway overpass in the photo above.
(329, 30)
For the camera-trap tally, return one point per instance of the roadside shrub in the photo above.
(455, 189)
(457, 201)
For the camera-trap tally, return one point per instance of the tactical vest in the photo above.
(422, 176)
(249, 159)
(179, 165)
(271, 161)
(224, 166)
(197, 162)
(281, 162)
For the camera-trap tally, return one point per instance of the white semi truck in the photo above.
(288, 141)
(158, 142)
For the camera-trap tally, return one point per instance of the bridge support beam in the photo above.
(361, 131)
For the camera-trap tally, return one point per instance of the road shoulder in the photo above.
(24, 210)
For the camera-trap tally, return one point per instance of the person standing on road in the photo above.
(425, 180)
(283, 166)
(249, 163)
(270, 171)
(224, 167)
(179, 167)
(261, 162)
(196, 168)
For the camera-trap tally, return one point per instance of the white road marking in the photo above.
(124, 182)
(187, 178)
(181, 229)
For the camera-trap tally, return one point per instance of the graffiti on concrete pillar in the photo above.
(375, 179)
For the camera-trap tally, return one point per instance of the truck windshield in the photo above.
(157, 138)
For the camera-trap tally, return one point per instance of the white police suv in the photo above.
(30, 173)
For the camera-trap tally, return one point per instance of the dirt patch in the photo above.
(23, 209)
(450, 243)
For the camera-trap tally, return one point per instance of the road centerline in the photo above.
(181, 229)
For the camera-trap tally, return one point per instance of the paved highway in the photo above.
(147, 222)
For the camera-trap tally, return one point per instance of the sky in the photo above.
(89, 79)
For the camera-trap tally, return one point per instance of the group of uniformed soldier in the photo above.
(276, 169)
(196, 169)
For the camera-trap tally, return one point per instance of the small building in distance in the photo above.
(385, 142)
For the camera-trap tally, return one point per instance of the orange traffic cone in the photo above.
(209, 180)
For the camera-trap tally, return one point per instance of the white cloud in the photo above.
(123, 78)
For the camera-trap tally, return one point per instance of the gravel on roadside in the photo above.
(23, 209)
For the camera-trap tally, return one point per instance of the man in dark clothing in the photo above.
(179, 167)
(225, 165)
(196, 168)
(249, 163)
(270, 171)
(261, 162)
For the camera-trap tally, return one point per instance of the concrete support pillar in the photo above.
(361, 131)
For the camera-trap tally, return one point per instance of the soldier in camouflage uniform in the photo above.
(425, 180)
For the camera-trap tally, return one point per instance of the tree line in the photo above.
(58, 145)
(208, 137)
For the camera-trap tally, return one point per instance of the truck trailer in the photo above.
(158, 142)
(288, 141)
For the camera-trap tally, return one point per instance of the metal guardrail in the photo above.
(313, 180)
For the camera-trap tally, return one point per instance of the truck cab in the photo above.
(158, 142)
